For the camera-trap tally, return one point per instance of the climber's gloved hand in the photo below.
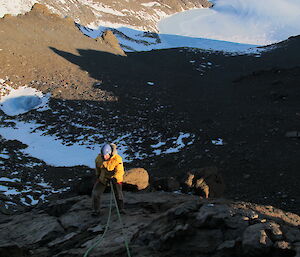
(113, 180)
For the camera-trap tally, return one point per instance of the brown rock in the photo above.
(40, 8)
(109, 38)
(207, 182)
(256, 241)
(136, 178)
(274, 231)
(283, 248)
(282, 245)
(7, 16)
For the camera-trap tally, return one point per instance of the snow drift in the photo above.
(242, 21)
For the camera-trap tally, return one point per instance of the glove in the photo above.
(113, 180)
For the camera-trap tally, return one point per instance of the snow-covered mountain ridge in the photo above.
(142, 14)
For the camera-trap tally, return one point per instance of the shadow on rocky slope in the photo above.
(250, 102)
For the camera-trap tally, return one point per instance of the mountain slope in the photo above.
(28, 49)
(165, 110)
(142, 14)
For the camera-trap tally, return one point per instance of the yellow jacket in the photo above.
(112, 168)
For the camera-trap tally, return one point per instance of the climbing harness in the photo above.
(112, 195)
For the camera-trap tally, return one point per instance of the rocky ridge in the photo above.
(141, 15)
(156, 224)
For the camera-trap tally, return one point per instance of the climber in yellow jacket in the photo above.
(109, 168)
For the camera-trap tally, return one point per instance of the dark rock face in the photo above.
(206, 182)
(215, 229)
(27, 231)
(168, 184)
(84, 186)
(157, 224)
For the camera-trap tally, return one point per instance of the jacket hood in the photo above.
(114, 149)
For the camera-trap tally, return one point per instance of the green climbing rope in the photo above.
(112, 195)
(120, 219)
(106, 228)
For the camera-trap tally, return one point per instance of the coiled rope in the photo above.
(112, 195)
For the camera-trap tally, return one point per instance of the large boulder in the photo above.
(136, 179)
(206, 182)
(256, 241)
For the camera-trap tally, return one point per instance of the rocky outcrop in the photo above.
(157, 224)
(216, 229)
(40, 8)
(110, 39)
(206, 182)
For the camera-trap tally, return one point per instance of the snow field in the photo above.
(242, 21)
(15, 7)
(140, 41)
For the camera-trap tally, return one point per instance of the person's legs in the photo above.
(98, 190)
(119, 196)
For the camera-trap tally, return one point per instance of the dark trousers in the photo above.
(98, 190)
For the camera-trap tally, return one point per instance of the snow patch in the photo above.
(159, 144)
(15, 7)
(178, 144)
(151, 4)
(100, 7)
(57, 153)
(218, 141)
(22, 100)
(138, 40)
(4, 156)
(8, 190)
(9, 179)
